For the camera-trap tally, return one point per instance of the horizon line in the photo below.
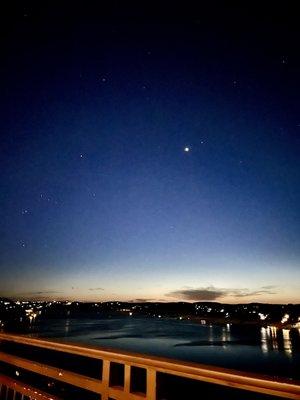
(138, 302)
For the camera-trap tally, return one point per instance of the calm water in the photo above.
(263, 350)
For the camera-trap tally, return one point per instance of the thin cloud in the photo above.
(141, 300)
(96, 288)
(211, 293)
(197, 294)
(269, 287)
(42, 292)
(254, 293)
(38, 295)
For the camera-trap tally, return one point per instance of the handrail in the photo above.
(25, 390)
(221, 376)
(83, 382)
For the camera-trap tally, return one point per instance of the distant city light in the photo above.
(285, 318)
(262, 316)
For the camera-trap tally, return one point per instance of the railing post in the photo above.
(105, 379)
(127, 373)
(151, 384)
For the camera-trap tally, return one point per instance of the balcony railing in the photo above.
(132, 367)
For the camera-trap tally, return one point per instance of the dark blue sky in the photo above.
(99, 199)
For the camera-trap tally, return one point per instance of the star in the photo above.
(186, 149)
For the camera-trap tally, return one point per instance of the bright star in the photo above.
(186, 149)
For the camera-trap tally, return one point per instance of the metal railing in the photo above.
(152, 366)
(11, 387)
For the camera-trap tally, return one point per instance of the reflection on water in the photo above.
(226, 335)
(273, 334)
(266, 350)
(264, 345)
(274, 339)
(67, 326)
(211, 338)
(287, 341)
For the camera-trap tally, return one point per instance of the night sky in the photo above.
(150, 153)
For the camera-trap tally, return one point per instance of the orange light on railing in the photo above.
(152, 366)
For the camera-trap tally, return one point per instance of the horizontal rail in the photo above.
(26, 390)
(221, 376)
(71, 378)
(80, 381)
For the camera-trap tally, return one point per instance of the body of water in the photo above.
(268, 350)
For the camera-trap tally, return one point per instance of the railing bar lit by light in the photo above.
(152, 365)
(82, 381)
(24, 390)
